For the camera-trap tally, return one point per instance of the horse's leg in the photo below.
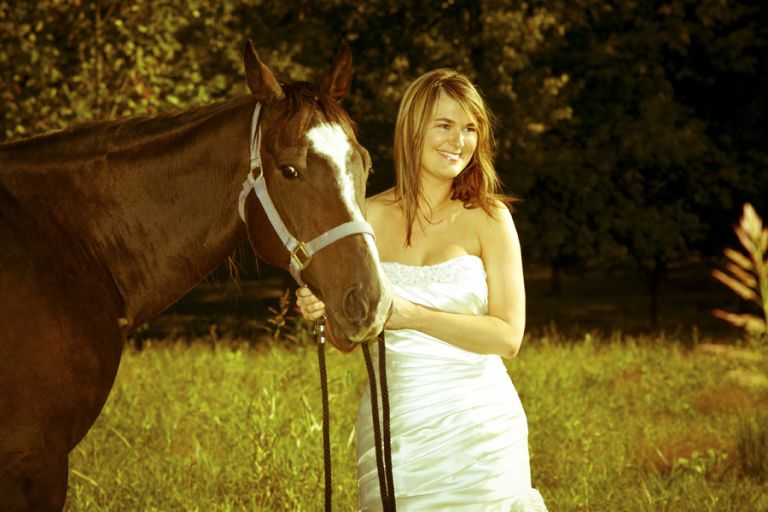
(60, 347)
(44, 423)
(33, 481)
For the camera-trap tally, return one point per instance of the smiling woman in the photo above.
(450, 139)
(450, 251)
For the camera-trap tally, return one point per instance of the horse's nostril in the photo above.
(355, 305)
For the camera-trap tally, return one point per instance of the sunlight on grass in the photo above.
(630, 424)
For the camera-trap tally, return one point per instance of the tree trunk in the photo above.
(556, 282)
(656, 279)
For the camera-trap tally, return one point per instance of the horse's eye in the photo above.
(290, 172)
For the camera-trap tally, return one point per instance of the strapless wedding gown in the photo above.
(459, 433)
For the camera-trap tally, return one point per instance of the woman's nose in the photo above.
(458, 138)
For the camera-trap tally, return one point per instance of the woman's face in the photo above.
(450, 139)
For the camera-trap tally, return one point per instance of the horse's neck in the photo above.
(159, 214)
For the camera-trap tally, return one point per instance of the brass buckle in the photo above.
(295, 256)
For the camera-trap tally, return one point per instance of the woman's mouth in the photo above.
(449, 155)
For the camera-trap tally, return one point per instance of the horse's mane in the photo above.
(86, 139)
(301, 101)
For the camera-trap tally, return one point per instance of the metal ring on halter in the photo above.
(300, 247)
(320, 330)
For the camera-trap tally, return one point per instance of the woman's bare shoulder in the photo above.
(497, 215)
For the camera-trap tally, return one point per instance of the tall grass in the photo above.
(632, 424)
(215, 427)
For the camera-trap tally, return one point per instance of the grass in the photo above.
(621, 424)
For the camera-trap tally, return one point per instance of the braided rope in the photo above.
(383, 487)
(387, 432)
(384, 468)
(320, 332)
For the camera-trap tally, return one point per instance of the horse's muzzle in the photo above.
(365, 312)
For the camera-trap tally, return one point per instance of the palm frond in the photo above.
(748, 273)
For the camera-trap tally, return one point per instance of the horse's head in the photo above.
(315, 172)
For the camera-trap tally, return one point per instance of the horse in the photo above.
(105, 224)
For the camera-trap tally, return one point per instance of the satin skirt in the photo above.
(459, 432)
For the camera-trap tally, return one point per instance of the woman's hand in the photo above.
(403, 311)
(311, 307)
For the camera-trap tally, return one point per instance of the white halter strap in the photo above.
(301, 253)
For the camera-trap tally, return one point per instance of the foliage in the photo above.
(700, 463)
(632, 152)
(282, 323)
(233, 426)
(748, 274)
(630, 129)
(753, 446)
(78, 61)
(642, 169)
(73, 60)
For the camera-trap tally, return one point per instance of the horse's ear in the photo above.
(262, 83)
(336, 83)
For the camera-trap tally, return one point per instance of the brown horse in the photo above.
(105, 224)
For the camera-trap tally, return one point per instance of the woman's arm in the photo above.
(501, 331)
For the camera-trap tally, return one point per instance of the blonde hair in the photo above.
(478, 184)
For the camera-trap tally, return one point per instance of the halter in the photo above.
(301, 252)
(301, 256)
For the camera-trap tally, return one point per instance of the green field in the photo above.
(615, 424)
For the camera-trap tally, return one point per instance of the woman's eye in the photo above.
(289, 172)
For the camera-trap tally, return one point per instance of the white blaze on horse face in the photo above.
(330, 141)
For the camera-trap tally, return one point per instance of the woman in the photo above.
(450, 250)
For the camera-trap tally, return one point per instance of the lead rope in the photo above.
(387, 433)
(384, 469)
(320, 332)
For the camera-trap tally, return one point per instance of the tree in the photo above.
(66, 61)
(649, 168)
(631, 130)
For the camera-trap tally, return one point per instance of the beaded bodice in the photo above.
(456, 285)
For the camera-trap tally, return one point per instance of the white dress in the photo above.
(459, 433)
